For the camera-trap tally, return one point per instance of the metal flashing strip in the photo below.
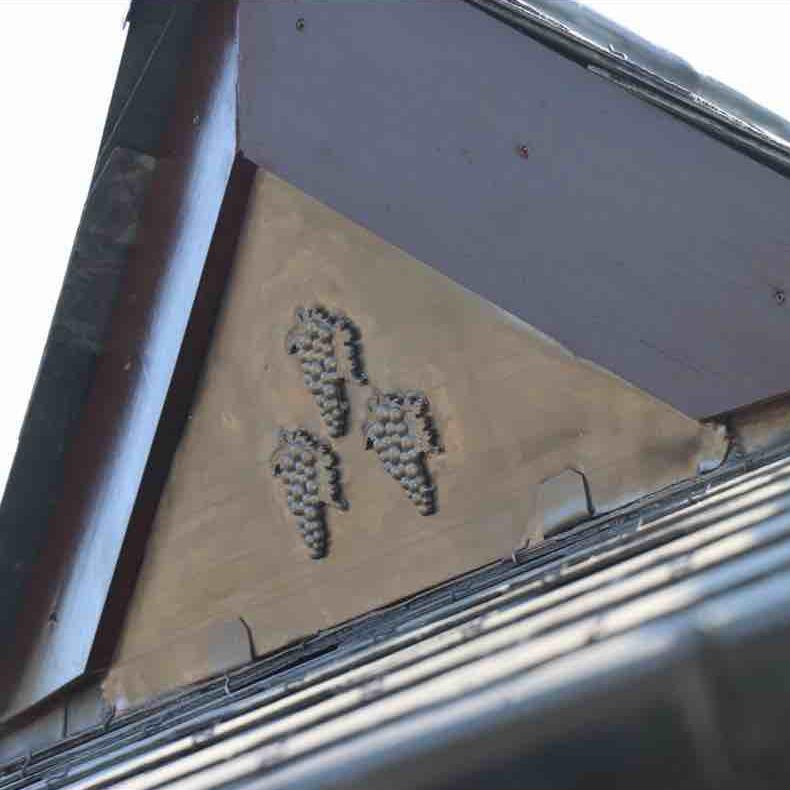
(651, 73)
(595, 587)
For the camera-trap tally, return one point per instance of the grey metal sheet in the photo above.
(636, 240)
(698, 575)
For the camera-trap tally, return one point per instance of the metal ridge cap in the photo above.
(598, 41)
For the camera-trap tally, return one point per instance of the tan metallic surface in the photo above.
(762, 426)
(513, 408)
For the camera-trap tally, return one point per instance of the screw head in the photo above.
(780, 296)
(300, 23)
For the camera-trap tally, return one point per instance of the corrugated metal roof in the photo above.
(632, 643)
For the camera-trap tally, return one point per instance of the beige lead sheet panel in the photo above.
(511, 406)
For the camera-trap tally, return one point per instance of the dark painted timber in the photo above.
(108, 455)
(133, 139)
(158, 40)
(186, 379)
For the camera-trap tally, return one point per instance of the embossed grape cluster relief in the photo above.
(327, 345)
(308, 468)
(399, 427)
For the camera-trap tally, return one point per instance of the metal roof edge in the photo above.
(654, 74)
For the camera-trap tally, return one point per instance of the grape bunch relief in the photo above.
(400, 429)
(328, 348)
(308, 469)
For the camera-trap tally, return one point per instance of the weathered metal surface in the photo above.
(37, 732)
(635, 240)
(761, 427)
(643, 646)
(512, 409)
(564, 501)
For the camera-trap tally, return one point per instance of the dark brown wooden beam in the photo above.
(108, 462)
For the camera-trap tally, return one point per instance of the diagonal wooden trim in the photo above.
(108, 459)
(186, 379)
